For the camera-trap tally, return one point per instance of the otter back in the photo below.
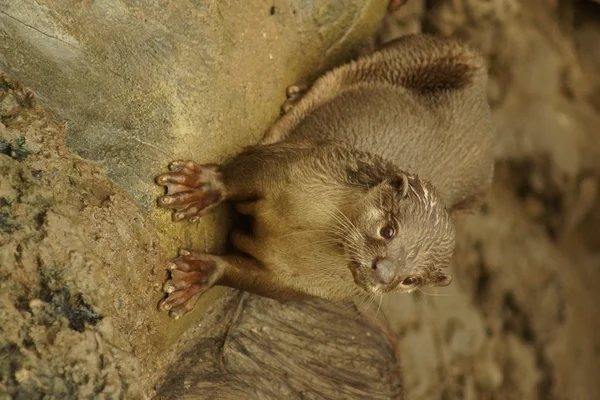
(420, 103)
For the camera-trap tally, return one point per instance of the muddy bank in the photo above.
(73, 249)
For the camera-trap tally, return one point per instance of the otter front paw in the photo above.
(192, 189)
(294, 94)
(192, 274)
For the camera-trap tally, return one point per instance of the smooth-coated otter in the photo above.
(352, 190)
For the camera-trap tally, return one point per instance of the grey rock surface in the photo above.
(142, 82)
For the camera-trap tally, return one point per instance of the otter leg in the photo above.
(248, 274)
(192, 189)
(322, 91)
(245, 243)
(246, 207)
(294, 94)
(194, 273)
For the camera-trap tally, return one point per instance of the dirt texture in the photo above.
(82, 257)
(66, 266)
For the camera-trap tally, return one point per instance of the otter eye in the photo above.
(410, 281)
(387, 232)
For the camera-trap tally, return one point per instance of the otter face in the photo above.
(402, 238)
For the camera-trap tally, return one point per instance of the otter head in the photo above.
(401, 238)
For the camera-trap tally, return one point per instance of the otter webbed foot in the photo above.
(294, 94)
(192, 189)
(192, 274)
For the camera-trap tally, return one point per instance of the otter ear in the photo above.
(441, 280)
(400, 183)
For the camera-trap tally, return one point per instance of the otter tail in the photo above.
(421, 63)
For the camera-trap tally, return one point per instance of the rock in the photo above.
(140, 84)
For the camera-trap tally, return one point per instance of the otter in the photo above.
(353, 190)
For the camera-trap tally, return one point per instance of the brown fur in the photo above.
(392, 142)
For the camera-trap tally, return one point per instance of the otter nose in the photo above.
(384, 269)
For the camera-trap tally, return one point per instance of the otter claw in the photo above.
(168, 288)
(176, 166)
(164, 306)
(192, 189)
(296, 90)
(294, 94)
(292, 91)
(189, 213)
(191, 275)
(166, 199)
